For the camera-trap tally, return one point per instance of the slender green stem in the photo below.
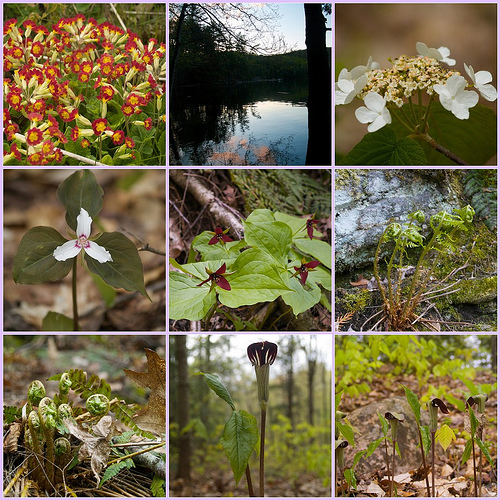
(440, 149)
(387, 460)
(474, 463)
(419, 105)
(393, 466)
(403, 122)
(75, 297)
(426, 116)
(415, 120)
(262, 445)
(423, 459)
(433, 442)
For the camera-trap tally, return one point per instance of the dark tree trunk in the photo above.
(184, 470)
(177, 43)
(319, 118)
(310, 389)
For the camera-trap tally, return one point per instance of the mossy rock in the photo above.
(476, 291)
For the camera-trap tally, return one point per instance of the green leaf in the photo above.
(338, 397)
(473, 422)
(107, 160)
(55, 322)
(273, 238)
(158, 486)
(255, 280)
(297, 225)
(350, 478)
(474, 140)
(347, 431)
(186, 300)
(374, 445)
(34, 262)
(485, 451)
(413, 402)
(125, 271)
(467, 451)
(162, 142)
(301, 298)
(455, 401)
(445, 436)
(114, 469)
(261, 215)
(108, 293)
(383, 423)
(318, 249)
(238, 440)
(359, 455)
(384, 148)
(94, 106)
(217, 251)
(218, 387)
(80, 190)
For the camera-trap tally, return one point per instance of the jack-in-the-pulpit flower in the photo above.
(374, 112)
(441, 54)
(262, 355)
(72, 248)
(481, 81)
(217, 278)
(347, 88)
(455, 98)
(221, 236)
(304, 269)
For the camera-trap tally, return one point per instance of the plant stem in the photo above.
(249, 482)
(387, 459)
(393, 466)
(75, 298)
(433, 442)
(262, 445)
(423, 460)
(441, 149)
(474, 463)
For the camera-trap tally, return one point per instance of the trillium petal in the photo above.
(223, 283)
(67, 250)
(83, 224)
(98, 252)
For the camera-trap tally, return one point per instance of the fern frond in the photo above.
(114, 469)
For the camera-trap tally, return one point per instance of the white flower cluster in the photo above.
(409, 75)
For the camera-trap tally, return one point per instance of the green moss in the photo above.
(356, 301)
(476, 291)
(348, 177)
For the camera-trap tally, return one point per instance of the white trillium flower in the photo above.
(455, 98)
(347, 88)
(481, 81)
(441, 54)
(72, 248)
(375, 113)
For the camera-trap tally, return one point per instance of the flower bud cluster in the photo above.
(405, 78)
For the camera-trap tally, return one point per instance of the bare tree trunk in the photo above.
(184, 465)
(319, 106)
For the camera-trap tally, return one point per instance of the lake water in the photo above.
(261, 123)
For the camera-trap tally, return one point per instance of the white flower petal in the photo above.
(98, 252)
(483, 77)
(67, 250)
(364, 115)
(83, 224)
(374, 101)
(470, 71)
(488, 92)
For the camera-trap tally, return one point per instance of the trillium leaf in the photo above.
(318, 249)
(55, 322)
(255, 280)
(34, 262)
(80, 190)
(297, 225)
(186, 300)
(238, 440)
(383, 147)
(125, 271)
(274, 238)
(230, 249)
(303, 297)
(261, 215)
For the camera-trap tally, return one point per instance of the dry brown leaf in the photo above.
(153, 417)
(95, 446)
(10, 440)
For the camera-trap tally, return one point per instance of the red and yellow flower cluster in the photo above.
(60, 85)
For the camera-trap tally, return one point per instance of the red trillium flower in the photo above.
(310, 225)
(262, 353)
(303, 270)
(220, 235)
(217, 278)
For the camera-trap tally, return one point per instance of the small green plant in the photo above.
(51, 424)
(393, 418)
(277, 258)
(399, 302)
(476, 426)
(45, 255)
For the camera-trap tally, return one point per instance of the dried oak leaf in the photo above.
(96, 446)
(153, 417)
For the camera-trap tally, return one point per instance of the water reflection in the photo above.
(262, 123)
